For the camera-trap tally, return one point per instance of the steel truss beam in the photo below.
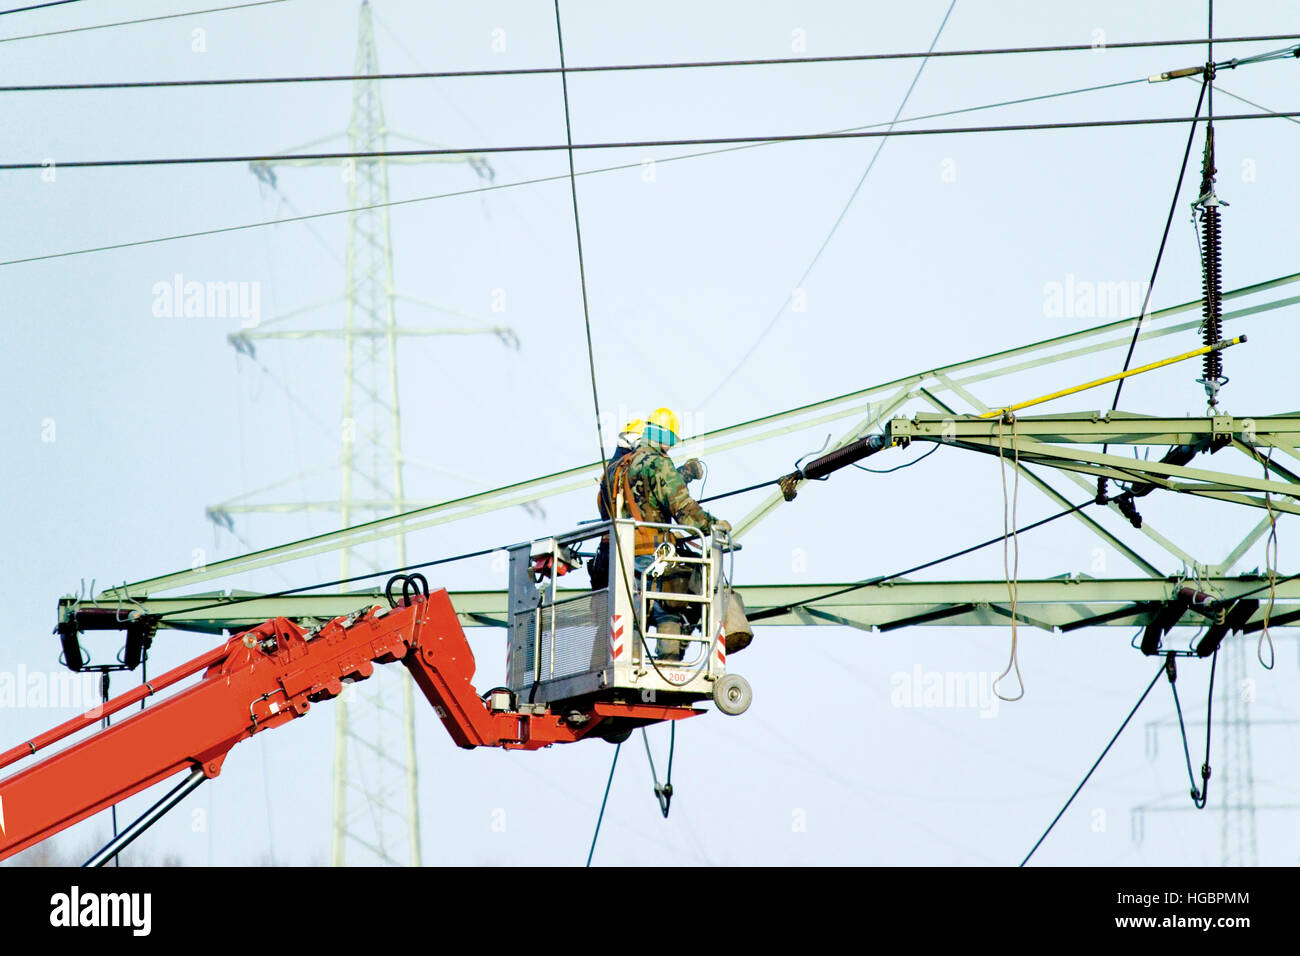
(1081, 516)
(864, 406)
(1049, 603)
(1033, 440)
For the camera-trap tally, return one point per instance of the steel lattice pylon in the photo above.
(372, 761)
(1237, 799)
(371, 421)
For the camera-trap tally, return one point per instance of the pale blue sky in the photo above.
(157, 418)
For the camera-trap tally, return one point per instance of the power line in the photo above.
(127, 23)
(469, 74)
(631, 144)
(287, 592)
(768, 612)
(1288, 52)
(547, 179)
(577, 229)
(608, 783)
(1264, 587)
(835, 225)
(1088, 775)
(303, 218)
(1232, 64)
(1258, 106)
(741, 491)
(1164, 238)
(327, 584)
(1206, 85)
(37, 6)
(590, 353)
(635, 67)
(614, 548)
(870, 582)
(802, 279)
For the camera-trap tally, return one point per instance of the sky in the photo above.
(125, 423)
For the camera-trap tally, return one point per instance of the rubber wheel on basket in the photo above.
(732, 694)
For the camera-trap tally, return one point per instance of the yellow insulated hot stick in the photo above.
(1203, 350)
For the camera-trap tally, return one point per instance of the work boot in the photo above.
(669, 650)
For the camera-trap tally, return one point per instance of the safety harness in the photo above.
(620, 489)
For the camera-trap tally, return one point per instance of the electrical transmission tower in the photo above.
(1232, 785)
(376, 806)
(1237, 781)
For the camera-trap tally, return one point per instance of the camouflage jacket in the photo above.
(611, 466)
(661, 493)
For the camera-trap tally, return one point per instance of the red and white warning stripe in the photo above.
(616, 636)
(722, 649)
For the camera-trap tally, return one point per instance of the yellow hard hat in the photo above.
(663, 427)
(634, 426)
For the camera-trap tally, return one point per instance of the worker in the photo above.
(628, 438)
(655, 492)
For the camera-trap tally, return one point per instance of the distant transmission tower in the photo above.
(1237, 779)
(1232, 785)
(376, 805)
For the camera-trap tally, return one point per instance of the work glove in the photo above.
(692, 470)
(723, 526)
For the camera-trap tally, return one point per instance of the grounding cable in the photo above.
(664, 791)
(888, 471)
(1201, 794)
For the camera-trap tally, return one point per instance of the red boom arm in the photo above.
(258, 680)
